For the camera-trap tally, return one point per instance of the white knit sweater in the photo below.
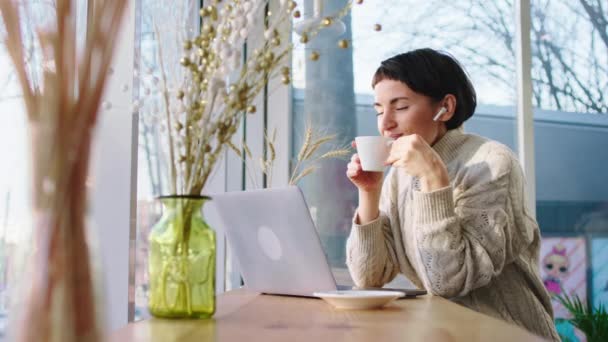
(473, 242)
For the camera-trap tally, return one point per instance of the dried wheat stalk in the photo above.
(308, 154)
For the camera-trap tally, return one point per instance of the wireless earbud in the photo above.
(440, 113)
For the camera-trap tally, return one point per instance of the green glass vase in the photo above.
(181, 264)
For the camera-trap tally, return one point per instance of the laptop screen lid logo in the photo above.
(269, 243)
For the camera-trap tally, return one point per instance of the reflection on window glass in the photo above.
(15, 224)
(335, 94)
(14, 196)
(570, 80)
(569, 65)
(162, 27)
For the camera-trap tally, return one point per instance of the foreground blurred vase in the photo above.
(182, 261)
(60, 300)
(62, 89)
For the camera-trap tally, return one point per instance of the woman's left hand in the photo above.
(416, 157)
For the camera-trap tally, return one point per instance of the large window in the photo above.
(569, 73)
(570, 79)
(14, 196)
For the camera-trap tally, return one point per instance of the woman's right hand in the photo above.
(364, 180)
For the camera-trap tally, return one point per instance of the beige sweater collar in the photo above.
(447, 147)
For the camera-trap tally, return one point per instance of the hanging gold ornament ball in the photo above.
(292, 5)
(343, 44)
(359, 2)
(251, 109)
(326, 21)
(187, 45)
(377, 27)
(285, 79)
(285, 70)
(314, 56)
(297, 14)
(304, 38)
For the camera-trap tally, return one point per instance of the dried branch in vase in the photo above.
(62, 108)
(219, 83)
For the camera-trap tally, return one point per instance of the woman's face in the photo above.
(401, 111)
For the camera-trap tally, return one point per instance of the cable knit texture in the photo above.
(473, 242)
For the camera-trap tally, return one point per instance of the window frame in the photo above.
(113, 193)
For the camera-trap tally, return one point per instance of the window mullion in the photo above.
(525, 115)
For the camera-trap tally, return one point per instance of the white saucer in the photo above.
(358, 299)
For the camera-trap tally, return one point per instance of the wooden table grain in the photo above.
(248, 316)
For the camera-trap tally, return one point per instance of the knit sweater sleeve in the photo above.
(466, 235)
(370, 248)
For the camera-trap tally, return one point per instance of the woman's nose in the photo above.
(388, 120)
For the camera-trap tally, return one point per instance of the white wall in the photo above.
(114, 172)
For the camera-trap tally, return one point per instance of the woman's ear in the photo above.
(449, 103)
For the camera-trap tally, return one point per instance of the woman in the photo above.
(451, 214)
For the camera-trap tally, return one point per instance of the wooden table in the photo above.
(246, 316)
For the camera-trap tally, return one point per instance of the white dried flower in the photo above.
(232, 40)
(217, 83)
(247, 6)
(239, 23)
(221, 71)
(251, 19)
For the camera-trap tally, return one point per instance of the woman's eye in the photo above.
(378, 114)
(403, 108)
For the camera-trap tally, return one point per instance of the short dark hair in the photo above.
(434, 74)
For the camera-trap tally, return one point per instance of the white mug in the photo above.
(373, 152)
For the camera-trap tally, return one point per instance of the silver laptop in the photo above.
(276, 245)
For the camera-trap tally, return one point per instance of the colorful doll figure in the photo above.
(556, 266)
